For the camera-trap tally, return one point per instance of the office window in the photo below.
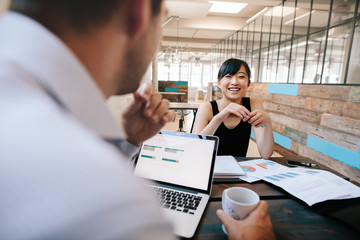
(263, 65)
(174, 72)
(250, 45)
(184, 71)
(297, 42)
(342, 10)
(319, 15)
(353, 76)
(297, 60)
(239, 44)
(215, 69)
(335, 54)
(265, 39)
(195, 79)
(233, 46)
(272, 64)
(302, 18)
(222, 51)
(288, 15)
(245, 45)
(314, 58)
(283, 62)
(206, 74)
(163, 71)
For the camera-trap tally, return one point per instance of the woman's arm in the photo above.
(261, 123)
(205, 123)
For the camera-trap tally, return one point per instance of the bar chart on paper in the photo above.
(282, 176)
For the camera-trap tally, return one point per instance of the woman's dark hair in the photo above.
(232, 66)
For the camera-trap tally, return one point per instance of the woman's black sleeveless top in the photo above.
(235, 141)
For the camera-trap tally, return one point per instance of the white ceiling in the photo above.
(200, 30)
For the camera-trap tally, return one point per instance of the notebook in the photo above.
(180, 166)
(227, 167)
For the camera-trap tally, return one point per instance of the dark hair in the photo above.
(79, 15)
(232, 66)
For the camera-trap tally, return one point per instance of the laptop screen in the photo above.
(181, 159)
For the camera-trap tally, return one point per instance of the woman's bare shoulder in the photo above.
(205, 109)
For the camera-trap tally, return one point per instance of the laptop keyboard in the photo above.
(177, 200)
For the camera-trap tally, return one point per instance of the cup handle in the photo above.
(223, 199)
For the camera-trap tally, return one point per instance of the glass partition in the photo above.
(297, 60)
(319, 15)
(239, 44)
(250, 45)
(314, 58)
(302, 18)
(353, 76)
(342, 10)
(297, 42)
(283, 62)
(335, 58)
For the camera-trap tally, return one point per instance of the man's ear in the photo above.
(136, 14)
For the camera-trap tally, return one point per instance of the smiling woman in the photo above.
(232, 117)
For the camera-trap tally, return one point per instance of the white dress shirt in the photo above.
(58, 178)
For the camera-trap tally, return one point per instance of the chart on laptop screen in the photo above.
(184, 161)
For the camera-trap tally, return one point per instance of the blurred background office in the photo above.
(305, 61)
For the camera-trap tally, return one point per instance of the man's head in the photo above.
(114, 39)
(79, 15)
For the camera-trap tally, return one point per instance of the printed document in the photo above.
(309, 185)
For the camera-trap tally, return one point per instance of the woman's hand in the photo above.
(258, 118)
(234, 110)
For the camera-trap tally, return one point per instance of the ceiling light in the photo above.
(256, 15)
(177, 56)
(276, 11)
(299, 17)
(227, 7)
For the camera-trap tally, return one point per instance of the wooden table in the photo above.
(174, 93)
(291, 218)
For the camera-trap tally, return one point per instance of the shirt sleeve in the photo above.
(125, 147)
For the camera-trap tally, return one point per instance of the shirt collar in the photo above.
(32, 46)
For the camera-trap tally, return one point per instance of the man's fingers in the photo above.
(168, 117)
(160, 110)
(141, 96)
(152, 105)
(133, 107)
(224, 218)
(260, 210)
(145, 91)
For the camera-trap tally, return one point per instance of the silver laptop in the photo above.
(181, 167)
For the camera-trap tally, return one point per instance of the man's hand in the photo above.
(255, 226)
(145, 115)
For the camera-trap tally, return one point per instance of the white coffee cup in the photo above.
(238, 202)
